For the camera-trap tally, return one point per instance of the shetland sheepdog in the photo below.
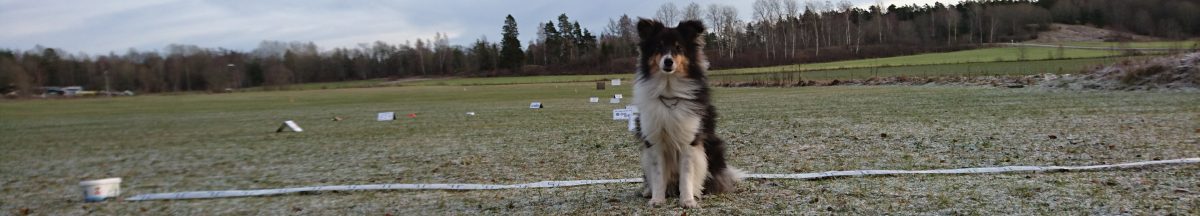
(681, 153)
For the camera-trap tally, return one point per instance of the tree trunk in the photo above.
(992, 30)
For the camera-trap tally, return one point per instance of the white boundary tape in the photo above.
(549, 184)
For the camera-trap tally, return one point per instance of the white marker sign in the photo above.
(632, 108)
(535, 105)
(622, 114)
(594, 99)
(614, 100)
(618, 96)
(386, 116)
(616, 82)
(289, 124)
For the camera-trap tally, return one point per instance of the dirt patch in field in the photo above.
(1177, 72)
(1080, 33)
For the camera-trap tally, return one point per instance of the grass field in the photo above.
(1059, 66)
(328, 85)
(965, 56)
(1157, 44)
(460, 81)
(999, 60)
(226, 141)
(1009, 68)
(521, 80)
(988, 61)
(986, 55)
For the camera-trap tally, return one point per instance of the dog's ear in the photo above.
(648, 28)
(690, 30)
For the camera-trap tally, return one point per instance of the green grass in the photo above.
(519, 80)
(326, 85)
(226, 141)
(454, 81)
(1156, 44)
(979, 56)
(1065, 66)
(999, 60)
(966, 56)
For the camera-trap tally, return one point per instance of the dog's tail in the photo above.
(724, 181)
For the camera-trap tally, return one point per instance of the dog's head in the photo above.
(671, 51)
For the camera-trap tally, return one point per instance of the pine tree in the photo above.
(483, 54)
(568, 39)
(553, 44)
(511, 56)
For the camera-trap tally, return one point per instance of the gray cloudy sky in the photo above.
(100, 26)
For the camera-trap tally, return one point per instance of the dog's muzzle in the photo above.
(668, 64)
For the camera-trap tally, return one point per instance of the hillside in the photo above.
(1168, 72)
(1063, 33)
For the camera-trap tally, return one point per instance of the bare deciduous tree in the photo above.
(792, 9)
(844, 7)
(667, 13)
(692, 11)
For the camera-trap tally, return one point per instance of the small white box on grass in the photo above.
(594, 100)
(631, 107)
(289, 124)
(535, 105)
(100, 189)
(619, 96)
(386, 116)
(616, 82)
(614, 100)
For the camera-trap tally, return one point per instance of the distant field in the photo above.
(925, 64)
(957, 57)
(519, 80)
(326, 85)
(227, 141)
(1067, 66)
(1157, 44)
(961, 69)
(451, 81)
(986, 61)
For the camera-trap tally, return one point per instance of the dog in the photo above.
(681, 153)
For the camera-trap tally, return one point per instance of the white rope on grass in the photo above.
(549, 184)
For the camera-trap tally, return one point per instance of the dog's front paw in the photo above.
(655, 202)
(689, 203)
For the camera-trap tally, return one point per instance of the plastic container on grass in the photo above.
(100, 189)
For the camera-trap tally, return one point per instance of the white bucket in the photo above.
(100, 189)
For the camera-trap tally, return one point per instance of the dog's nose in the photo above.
(668, 65)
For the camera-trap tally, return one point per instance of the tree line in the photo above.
(788, 32)
(779, 32)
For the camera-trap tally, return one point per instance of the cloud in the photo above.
(100, 27)
(97, 27)
(26, 18)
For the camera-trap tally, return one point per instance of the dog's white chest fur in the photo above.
(671, 123)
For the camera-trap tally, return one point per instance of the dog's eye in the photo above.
(678, 48)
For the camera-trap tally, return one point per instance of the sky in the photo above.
(103, 26)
